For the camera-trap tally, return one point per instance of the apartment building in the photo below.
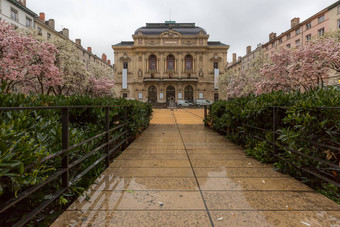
(16, 13)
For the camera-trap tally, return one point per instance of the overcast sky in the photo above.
(238, 23)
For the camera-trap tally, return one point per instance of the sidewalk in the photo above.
(179, 173)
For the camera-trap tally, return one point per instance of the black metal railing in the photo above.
(279, 148)
(110, 146)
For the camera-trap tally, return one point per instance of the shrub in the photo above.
(301, 124)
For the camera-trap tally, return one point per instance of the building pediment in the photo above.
(170, 34)
(125, 58)
(216, 58)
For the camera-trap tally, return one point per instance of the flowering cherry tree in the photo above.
(101, 81)
(26, 63)
(305, 67)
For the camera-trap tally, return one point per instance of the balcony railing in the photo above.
(183, 79)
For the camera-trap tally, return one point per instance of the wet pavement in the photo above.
(179, 173)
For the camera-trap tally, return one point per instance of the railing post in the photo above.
(125, 127)
(65, 145)
(107, 127)
(205, 115)
(275, 126)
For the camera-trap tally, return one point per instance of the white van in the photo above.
(184, 103)
(203, 102)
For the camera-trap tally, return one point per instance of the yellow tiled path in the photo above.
(179, 173)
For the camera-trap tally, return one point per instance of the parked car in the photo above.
(184, 103)
(203, 102)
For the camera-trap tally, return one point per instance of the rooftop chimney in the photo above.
(248, 50)
(272, 36)
(104, 58)
(23, 2)
(42, 17)
(65, 32)
(89, 49)
(239, 58)
(295, 21)
(234, 58)
(78, 42)
(51, 23)
(109, 62)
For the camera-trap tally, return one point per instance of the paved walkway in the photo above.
(179, 173)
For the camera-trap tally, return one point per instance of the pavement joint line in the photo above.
(203, 210)
(205, 204)
(196, 190)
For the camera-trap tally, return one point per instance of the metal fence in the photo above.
(329, 173)
(110, 146)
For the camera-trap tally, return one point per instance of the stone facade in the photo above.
(46, 28)
(16, 13)
(169, 60)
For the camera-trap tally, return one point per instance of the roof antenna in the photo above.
(170, 14)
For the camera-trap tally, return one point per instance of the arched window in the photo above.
(152, 62)
(170, 62)
(188, 62)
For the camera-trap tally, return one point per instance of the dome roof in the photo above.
(159, 28)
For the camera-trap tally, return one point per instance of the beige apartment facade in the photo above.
(326, 20)
(169, 61)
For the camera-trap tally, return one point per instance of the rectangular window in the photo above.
(215, 65)
(297, 31)
(171, 65)
(280, 40)
(288, 36)
(308, 37)
(309, 25)
(140, 95)
(14, 14)
(321, 32)
(321, 19)
(338, 24)
(338, 9)
(39, 31)
(28, 22)
(48, 35)
(273, 44)
(297, 42)
(124, 95)
(288, 45)
(125, 65)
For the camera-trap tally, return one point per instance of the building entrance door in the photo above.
(215, 97)
(170, 92)
(189, 94)
(152, 94)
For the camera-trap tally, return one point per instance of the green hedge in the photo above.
(299, 123)
(28, 136)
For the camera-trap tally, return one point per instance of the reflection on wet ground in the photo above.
(179, 173)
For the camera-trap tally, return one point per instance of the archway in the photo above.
(152, 94)
(189, 93)
(170, 92)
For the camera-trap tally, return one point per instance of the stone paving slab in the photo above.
(180, 173)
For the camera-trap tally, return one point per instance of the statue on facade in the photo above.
(140, 73)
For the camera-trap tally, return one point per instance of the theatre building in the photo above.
(169, 60)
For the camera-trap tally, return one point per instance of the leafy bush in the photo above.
(28, 136)
(301, 125)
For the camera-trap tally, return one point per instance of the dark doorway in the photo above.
(189, 93)
(152, 94)
(215, 97)
(170, 92)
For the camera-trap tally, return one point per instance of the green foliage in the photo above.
(301, 123)
(28, 136)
